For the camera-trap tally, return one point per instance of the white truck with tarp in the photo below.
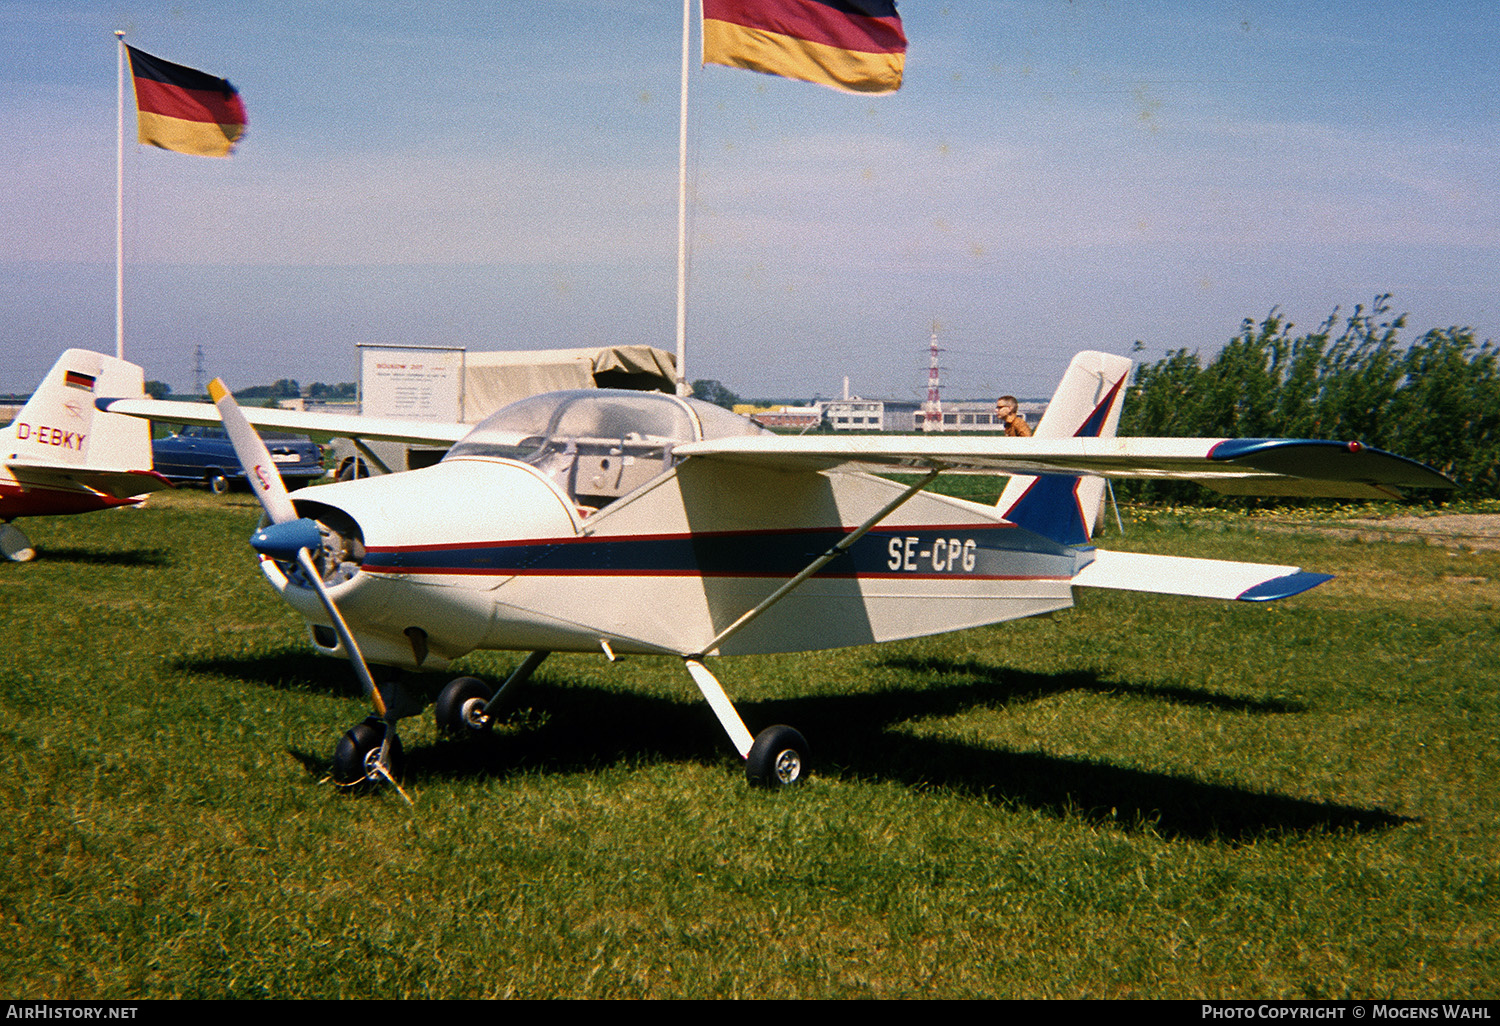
(455, 384)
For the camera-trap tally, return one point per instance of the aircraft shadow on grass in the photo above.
(287, 669)
(1015, 685)
(108, 557)
(567, 727)
(856, 735)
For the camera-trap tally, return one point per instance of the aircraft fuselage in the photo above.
(491, 554)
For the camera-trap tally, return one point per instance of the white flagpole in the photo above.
(120, 199)
(682, 386)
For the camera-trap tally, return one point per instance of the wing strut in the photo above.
(777, 756)
(818, 564)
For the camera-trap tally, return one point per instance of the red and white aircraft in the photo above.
(600, 520)
(64, 456)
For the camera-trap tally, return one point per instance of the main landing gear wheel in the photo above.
(778, 758)
(14, 545)
(358, 752)
(460, 708)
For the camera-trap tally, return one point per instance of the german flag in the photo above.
(184, 110)
(853, 45)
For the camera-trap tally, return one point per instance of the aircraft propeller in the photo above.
(292, 538)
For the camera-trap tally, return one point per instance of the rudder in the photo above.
(59, 424)
(1086, 404)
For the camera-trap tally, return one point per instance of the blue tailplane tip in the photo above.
(1282, 587)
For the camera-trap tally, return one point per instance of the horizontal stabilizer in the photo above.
(1203, 578)
(120, 484)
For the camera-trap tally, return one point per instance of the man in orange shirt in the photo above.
(1007, 412)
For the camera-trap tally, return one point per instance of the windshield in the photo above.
(599, 443)
(515, 432)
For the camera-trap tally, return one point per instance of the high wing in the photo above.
(317, 425)
(1233, 466)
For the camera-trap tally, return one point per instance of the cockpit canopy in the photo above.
(599, 443)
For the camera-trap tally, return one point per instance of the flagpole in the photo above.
(120, 197)
(682, 387)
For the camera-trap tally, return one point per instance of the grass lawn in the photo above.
(1142, 796)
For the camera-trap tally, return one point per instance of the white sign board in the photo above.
(421, 384)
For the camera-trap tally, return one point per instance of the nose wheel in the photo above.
(357, 761)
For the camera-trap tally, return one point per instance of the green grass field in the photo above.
(1142, 796)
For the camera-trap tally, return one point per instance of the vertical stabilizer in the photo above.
(60, 427)
(1086, 405)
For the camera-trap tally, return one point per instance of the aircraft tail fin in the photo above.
(59, 425)
(1086, 404)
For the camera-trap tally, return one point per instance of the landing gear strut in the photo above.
(775, 758)
(465, 707)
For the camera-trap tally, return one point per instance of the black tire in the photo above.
(217, 482)
(778, 758)
(354, 758)
(354, 468)
(459, 708)
(14, 545)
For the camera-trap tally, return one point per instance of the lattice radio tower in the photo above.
(932, 409)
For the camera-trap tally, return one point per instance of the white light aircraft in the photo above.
(63, 456)
(631, 522)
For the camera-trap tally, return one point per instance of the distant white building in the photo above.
(906, 415)
(870, 414)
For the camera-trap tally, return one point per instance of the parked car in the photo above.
(205, 454)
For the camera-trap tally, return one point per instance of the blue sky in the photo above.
(1053, 176)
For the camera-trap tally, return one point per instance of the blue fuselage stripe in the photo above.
(976, 551)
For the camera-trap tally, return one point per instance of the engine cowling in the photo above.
(377, 545)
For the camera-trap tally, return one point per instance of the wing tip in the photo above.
(1348, 463)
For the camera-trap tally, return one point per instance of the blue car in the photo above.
(205, 454)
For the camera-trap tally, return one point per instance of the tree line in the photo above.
(1436, 399)
(283, 388)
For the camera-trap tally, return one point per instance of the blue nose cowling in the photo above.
(282, 541)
